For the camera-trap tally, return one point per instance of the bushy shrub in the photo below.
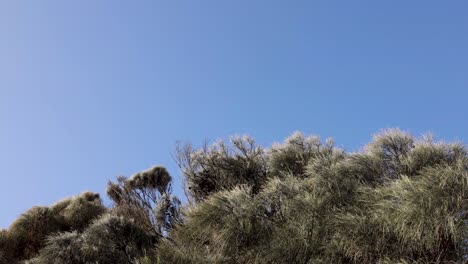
(399, 200)
(146, 198)
(297, 152)
(61, 248)
(6, 247)
(111, 239)
(27, 234)
(114, 239)
(222, 166)
(79, 211)
(29, 231)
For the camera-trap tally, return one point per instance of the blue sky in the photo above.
(94, 89)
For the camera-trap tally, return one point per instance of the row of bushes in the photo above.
(398, 200)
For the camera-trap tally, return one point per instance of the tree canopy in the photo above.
(400, 199)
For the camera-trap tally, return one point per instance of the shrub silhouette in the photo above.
(400, 199)
(77, 212)
(146, 198)
(222, 166)
(29, 231)
(297, 151)
(27, 235)
(111, 239)
(61, 248)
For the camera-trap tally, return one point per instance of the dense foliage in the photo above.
(398, 200)
(27, 235)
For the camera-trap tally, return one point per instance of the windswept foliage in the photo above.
(146, 198)
(222, 166)
(27, 234)
(297, 152)
(78, 212)
(111, 239)
(400, 199)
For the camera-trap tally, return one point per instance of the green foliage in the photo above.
(147, 260)
(6, 247)
(274, 226)
(222, 166)
(154, 178)
(111, 239)
(61, 248)
(77, 212)
(294, 155)
(29, 231)
(424, 218)
(27, 235)
(115, 239)
(399, 200)
(146, 198)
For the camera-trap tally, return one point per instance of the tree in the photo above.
(222, 166)
(27, 234)
(111, 239)
(146, 198)
(400, 199)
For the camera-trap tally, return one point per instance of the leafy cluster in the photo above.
(111, 239)
(222, 166)
(26, 236)
(400, 199)
(146, 197)
(81, 230)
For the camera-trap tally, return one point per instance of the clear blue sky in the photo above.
(93, 89)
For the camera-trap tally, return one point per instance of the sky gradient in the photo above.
(94, 89)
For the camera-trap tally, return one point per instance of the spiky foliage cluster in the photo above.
(81, 230)
(146, 197)
(5, 247)
(293, 156)
(399, 200)
(111, 239)
(27, 234)
(79, 211)
(222, 166)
